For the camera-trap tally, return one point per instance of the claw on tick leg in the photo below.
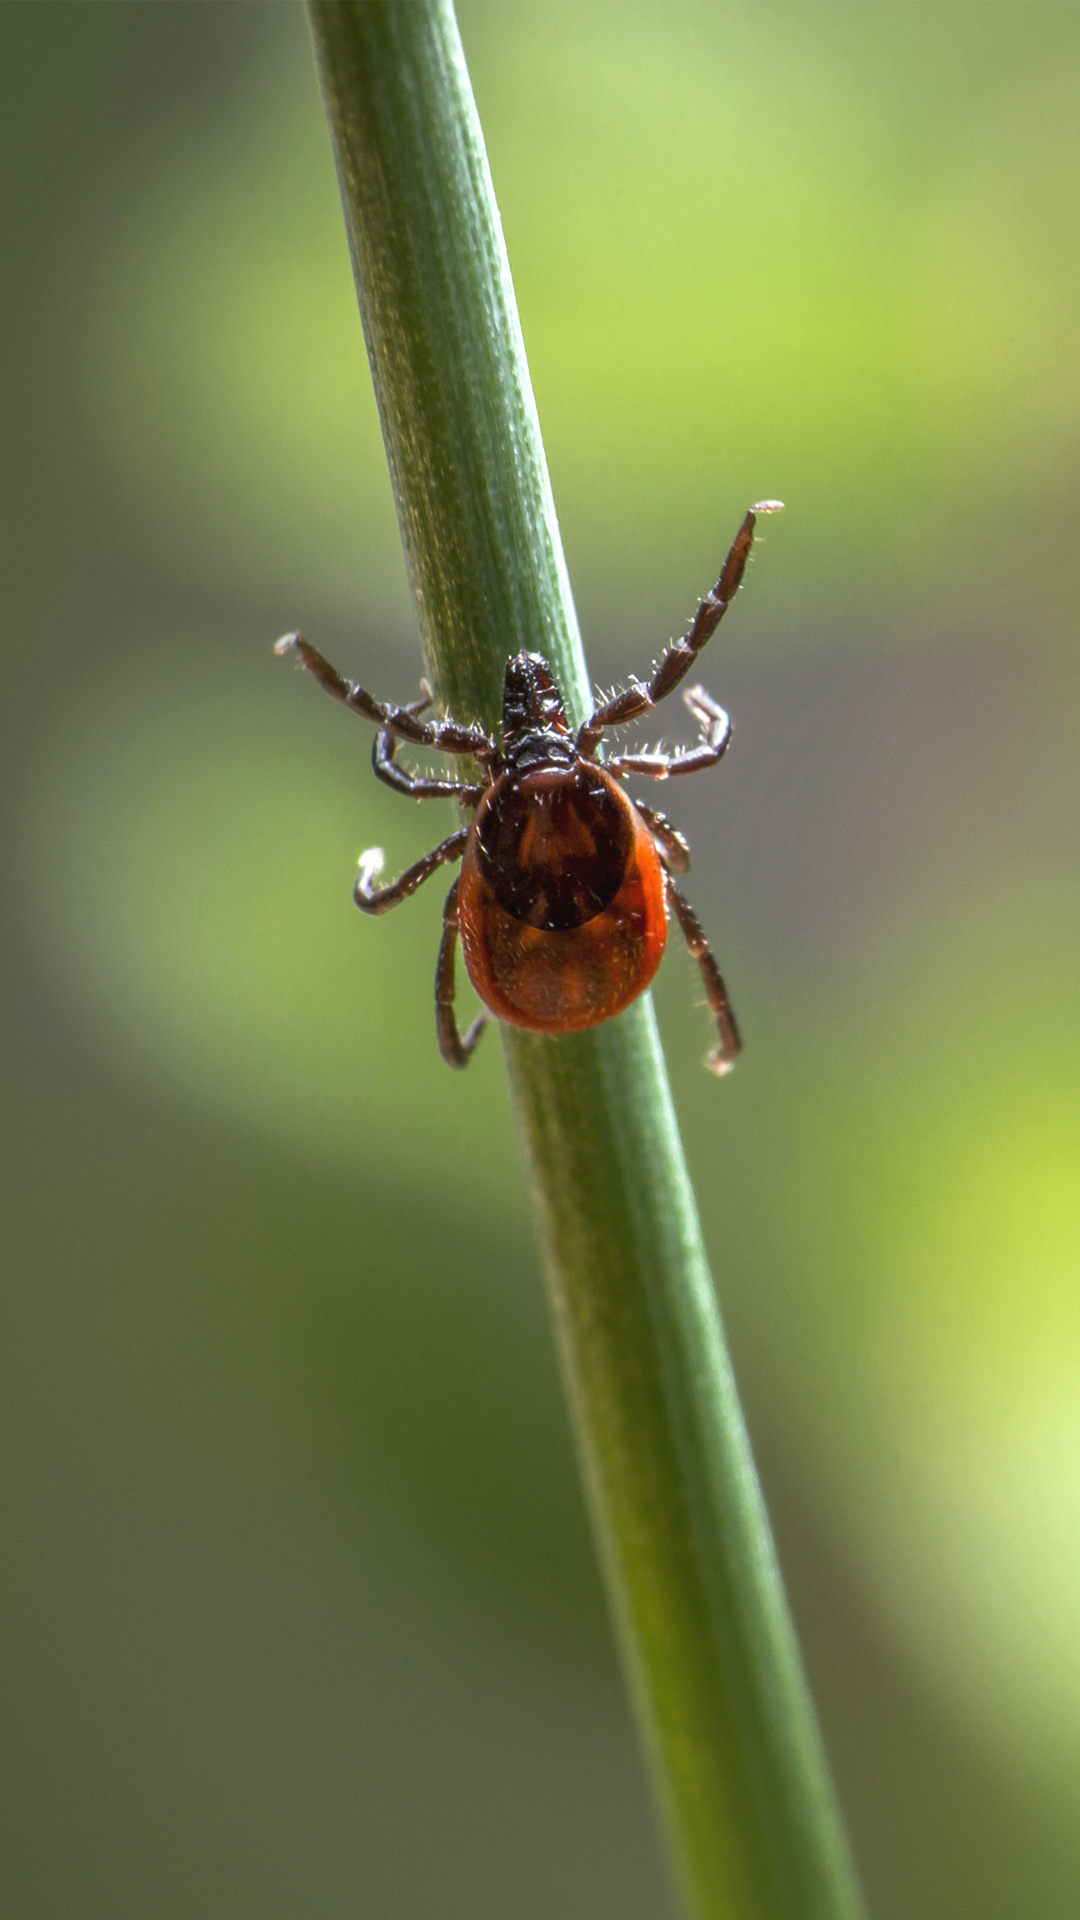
(371, 863)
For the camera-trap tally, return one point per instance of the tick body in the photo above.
(561, 905)
(566, 884)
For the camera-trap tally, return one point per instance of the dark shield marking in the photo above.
(554, 847)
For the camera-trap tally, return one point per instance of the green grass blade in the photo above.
(726, 1718)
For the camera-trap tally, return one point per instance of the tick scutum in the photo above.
(554, 845)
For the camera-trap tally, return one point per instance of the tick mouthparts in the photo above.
(767, 506)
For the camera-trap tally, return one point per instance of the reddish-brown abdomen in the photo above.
(561, 979)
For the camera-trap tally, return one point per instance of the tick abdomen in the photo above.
(562, 909)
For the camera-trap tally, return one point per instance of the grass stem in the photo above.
(691, 1573)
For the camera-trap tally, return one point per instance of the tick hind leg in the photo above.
(673, 848)
(723, 1056)
(456, 1051)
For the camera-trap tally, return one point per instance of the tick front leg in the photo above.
(416, 786)
(675, 664)
(723, 1057)
(445, 735)
(716, 733)
(380, 899)
(455, 1050)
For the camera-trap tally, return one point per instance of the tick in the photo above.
(562, 902)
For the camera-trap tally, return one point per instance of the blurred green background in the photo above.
(301, 1615)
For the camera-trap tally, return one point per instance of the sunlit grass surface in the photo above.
(823, 252)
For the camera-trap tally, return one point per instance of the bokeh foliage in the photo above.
(302, 1593)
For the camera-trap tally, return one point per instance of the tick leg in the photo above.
(716, 733)
(673, 848)
(445, 735)
(723, 1057)
(380, 899)
(679, 658)
(455, 1050)
(417, 786)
